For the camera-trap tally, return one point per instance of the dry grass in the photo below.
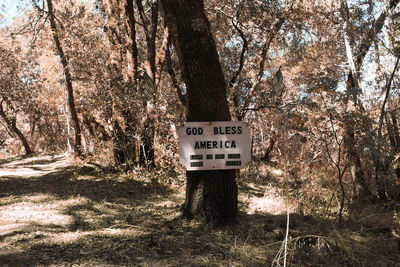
(53, 213)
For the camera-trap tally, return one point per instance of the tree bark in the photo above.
(210, 195)
(68, 79)
(394, 139)
(268, 152)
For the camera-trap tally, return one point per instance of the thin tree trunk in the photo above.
(394, 139)
(267, 155)
(68, 80)
(148, 126)
(68, 127)
(12, 126)
(361, 188)
(385, 100)
(396, 132)
(210, 195)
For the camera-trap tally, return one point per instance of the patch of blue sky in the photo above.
(235, 41)
(379, 7)
(303, 91)
(11, 9)
(267, 74)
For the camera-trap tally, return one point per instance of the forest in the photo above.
(93, 94)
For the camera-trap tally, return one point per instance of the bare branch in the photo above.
(366, 42)
(241, 61)
(263, 58)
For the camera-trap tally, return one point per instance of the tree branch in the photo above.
(372, 33)
(388, 86)
(263, 58)
(241, 61)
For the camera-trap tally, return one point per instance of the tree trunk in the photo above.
(147, 148)
(28, 149)
(394, 138)
(69, 148)
(150, 26)
(68, 80)
(353, 157)
(12, 127)
(268, 152)
(210, 195)
(395, 131)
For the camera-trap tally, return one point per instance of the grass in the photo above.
(74, 215)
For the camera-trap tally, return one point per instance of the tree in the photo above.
(67, 75)
(11, 86)
(139, 67)
(11, 123)
(353, 91)
(210, 195)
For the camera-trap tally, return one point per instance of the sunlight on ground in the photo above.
(167, 204)
(271, 202)
(28, 168)
(113, 221)
(32, 210)
(69, 237)
(41, 211)
(277, 172)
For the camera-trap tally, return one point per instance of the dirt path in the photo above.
(33, 166)
(47, 202)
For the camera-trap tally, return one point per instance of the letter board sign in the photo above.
(214, 145)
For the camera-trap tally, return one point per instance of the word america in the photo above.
(214, 144)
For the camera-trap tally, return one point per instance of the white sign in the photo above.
(214, 145)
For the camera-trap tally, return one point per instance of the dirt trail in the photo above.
(33, 166)
(52, 209)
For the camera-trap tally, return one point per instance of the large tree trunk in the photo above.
(68, 80)
(210, 195)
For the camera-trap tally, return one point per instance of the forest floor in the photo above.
(54, 212)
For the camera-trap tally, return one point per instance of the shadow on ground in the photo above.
(73, 181)
(74, 215)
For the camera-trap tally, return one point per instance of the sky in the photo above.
(9, 9)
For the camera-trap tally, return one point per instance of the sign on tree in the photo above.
(214, 145)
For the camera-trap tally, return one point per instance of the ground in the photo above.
(56, 212)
